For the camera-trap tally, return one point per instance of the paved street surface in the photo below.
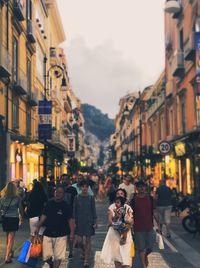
(182, 250)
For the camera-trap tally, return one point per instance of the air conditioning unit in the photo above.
(172, 6)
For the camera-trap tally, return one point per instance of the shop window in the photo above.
(181, 43)
(15, 113)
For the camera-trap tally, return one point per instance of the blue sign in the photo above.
(45, 119)
(197, 47)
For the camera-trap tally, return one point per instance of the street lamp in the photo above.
(58, 72)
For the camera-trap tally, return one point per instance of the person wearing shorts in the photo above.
(164, 206)
(142, 205)
(58, 220)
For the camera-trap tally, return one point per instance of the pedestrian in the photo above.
(10, 207)
(76, 185)
(118, 243)
(112, 191)
(128, 186)
(35, 205)
(70, 193)
(143, 207)
(59, 222)
(164, 206)
(85, 220)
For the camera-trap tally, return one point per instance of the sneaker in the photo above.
(70, 256)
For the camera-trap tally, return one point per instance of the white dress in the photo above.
(112, 250)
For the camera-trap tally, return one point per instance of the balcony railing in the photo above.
(32, 98)
(5, 62)
(20, 84)
(31, 31)
(178, 64)
(18, 9)
(59, 139)
(158, 102)
(189, 49)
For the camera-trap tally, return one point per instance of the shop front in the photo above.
(25, 161)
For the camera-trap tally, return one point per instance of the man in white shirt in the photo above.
(128, 186)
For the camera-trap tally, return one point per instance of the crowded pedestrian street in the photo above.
(182, 250)
(99, 134)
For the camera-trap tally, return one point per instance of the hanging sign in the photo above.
(45, 119)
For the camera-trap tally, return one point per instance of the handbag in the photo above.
(159, 240)
(24, 256)
(36, 248)
(4, 211)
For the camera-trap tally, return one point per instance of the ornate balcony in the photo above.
(59, 139)
(18, 9)
(5, 62)
(172, 6)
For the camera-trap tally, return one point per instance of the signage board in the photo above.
(45, 119)
(197, 48)
(164, 147)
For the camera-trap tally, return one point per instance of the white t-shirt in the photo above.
(129, 189)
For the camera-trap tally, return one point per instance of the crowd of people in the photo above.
(63, 214)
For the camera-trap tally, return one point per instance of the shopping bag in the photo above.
(25, 252)
(36, 248)
(159, 240)
(132, 249)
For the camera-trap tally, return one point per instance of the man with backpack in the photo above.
(142, 205)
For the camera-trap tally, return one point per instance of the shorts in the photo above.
(164, 215)
(144, 240)
(10, 224)
(33, 225)
(54, 247)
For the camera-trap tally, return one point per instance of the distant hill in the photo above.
(97, 123)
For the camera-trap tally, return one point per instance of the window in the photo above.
(29, 9)
(40, 64)
(171, 122)
(162, 127)
(28, 122)
(15, 112)
(29, 76)
(15, 59)
(181, 43)
(183, 115)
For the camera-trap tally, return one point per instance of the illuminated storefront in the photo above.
(25, 161)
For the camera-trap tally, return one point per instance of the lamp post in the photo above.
(140, 132)
(58, 72)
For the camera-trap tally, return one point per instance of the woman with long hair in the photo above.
(10, 206)
(35, 205)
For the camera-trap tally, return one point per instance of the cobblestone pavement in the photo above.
(178, 251)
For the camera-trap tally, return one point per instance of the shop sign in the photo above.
(164, 147)
(180, 149)
(45, 119)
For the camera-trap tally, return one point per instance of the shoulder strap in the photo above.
(7, 208)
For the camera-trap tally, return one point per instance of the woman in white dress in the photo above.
(113, 250)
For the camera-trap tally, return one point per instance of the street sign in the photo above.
(164, 147)
(45, 119)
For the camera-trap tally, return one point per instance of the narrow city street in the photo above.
(182, 250)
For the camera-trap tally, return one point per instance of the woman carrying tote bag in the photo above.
(11, 206)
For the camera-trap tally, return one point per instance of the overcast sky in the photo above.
(113, 47)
